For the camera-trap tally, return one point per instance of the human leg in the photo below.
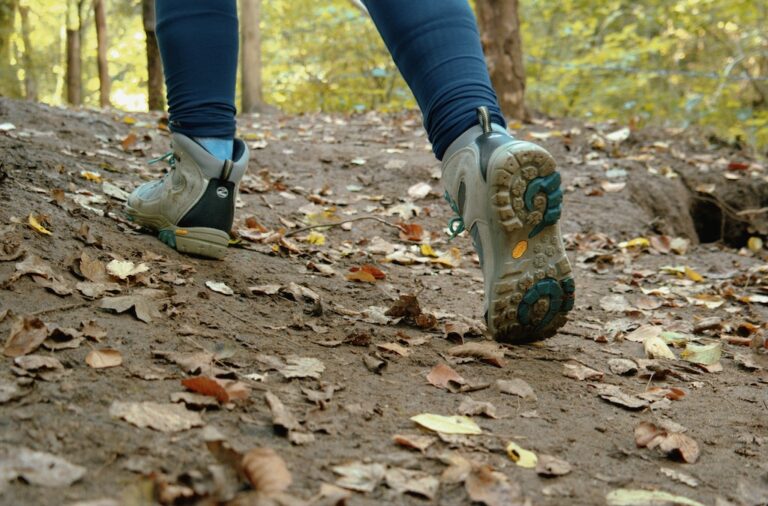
(505, 192)
(192, 207)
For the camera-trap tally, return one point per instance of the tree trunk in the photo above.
(250, 55)
(30, 74)
(500, 32)
(74, 57)
(105, 83)
(9, 83)
(156, 99)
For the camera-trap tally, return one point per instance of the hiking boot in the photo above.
(193, 206)
(506, 193)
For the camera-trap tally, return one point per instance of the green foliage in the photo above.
(327, 56)
(676, 53)
(638, 61)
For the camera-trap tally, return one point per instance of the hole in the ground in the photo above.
(708, 219)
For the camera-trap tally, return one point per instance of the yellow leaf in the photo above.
(637, 243)
(427, 251)
(316, 238)
(447, 424)
(755, 244)
(452, 258)
(128, 120)
(521, 456)
(37, 226)
(91, 176)
(693, 275)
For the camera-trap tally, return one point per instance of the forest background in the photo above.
(671, 63)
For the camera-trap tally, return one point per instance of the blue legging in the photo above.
(435, 44)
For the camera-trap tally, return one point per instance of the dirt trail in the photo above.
(310, 364)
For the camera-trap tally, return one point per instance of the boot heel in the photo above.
(200, 241)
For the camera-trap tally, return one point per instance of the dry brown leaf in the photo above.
(363, 276)
(406, 306)
(143, 307)
(394, 348)
(282, 419)
(470, 407)
(360, 477)
(492, 488)
(165, 417)
(60, 338)
(615, 395)
(27, 334)
(302, 367)
(92, 269)
(266, 471)
(549, 466)
(443, 376)
(38, 362)
(675, 444)
(415, 441)
(581, 372)
(101, 359)
(418, 483)
(486, 351)
(516, 386)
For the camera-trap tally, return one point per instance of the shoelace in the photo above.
(169, 157)
(455, 224)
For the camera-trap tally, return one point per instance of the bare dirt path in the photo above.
(102, 324)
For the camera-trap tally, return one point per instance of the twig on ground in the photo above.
(59, 308)
(339, 223)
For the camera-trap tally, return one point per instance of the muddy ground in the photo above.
(658, 227)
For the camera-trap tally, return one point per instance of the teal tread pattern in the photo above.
(549, 186)
(557, 296)
(168, 236)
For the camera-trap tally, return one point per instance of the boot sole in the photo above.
(198, 241)
(533, 288)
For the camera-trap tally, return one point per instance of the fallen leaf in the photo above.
(680, 476)
(224, 391)
(492, 488)
(219, 287)
(516, 386)
(92, 268)
(362, 276)
(302, 367)
(447, 424)
(655, 347)
(622, 366)
(581, 372)
(550, 466)
(693, 275)
(615, 304)
(415, 441)
(101, 359)
(676, 445)
(470, 407)
(34, 222)
(165, 417)
(394, 348)
(38, 362)
(27, 334)
(37, 468)
(374, 363)
(633, 497)
(411, 232)
(418, 483)
(419, 191)
(443, 376)
(615, 395)
(266, 471)
(283, 420)
(488, 352)
(142, 307)
(521, 456)
(124, 269)
(704, 354)
(360, 477)
(642, 333)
